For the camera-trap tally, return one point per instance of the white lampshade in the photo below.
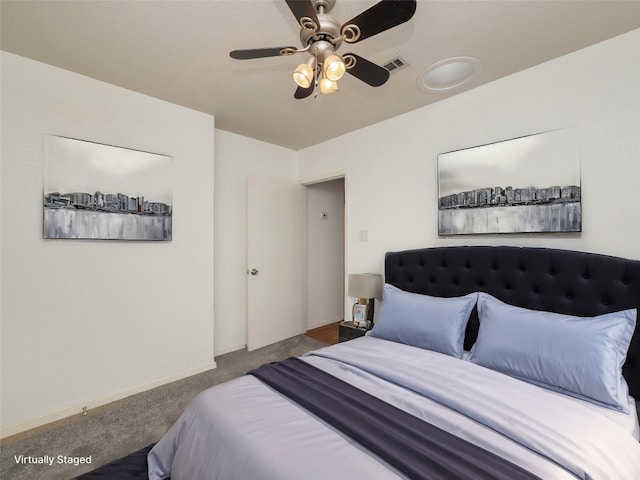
(365, 285)
(334, 68)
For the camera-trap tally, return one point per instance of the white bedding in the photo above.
(629, 422)
(244, 430)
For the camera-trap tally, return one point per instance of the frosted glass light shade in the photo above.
(303, 75)
(334, 68)
(327, 86)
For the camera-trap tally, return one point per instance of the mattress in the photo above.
(227, 434)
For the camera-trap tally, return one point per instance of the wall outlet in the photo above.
(363, 235)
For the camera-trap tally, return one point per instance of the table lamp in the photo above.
(365, 287)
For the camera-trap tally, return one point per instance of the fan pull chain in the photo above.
(315, 78)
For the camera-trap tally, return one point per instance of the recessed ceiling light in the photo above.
(449, 74)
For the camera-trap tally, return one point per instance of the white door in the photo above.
(275, 261)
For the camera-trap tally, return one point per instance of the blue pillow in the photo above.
(577, 356)
(432, 323)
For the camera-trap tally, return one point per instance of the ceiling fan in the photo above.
(322, 35)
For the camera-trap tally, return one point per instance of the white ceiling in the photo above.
(178, 51)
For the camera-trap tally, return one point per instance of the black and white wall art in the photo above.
(524, 185)
(96, 191)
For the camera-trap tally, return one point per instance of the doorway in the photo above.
(325, 253)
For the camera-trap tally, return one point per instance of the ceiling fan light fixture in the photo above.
(303, 75)
(334, 68)
(321, 35)
(328, 86)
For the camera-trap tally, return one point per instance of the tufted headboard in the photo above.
(562, 281)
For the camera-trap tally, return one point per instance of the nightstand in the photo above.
(349, 331)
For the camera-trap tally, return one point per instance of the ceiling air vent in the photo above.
(395, 64)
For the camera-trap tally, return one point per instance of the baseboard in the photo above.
(98, 402)
(229, 349)
(324, 323)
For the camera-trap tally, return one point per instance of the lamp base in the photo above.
(362, 312)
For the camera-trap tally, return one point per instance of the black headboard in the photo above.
(562, 281)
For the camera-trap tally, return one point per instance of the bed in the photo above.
(484, 362)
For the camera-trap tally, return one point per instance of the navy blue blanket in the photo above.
(414, 447)
(131, 467)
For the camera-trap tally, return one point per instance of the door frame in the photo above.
(344, 174)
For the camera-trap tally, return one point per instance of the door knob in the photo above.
(253, 271)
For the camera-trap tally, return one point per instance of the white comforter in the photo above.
(244, 430)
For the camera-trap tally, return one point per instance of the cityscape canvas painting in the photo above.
(96, 191)
(525, 185)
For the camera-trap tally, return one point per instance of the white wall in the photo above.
(392, 165)
(86, 322)
(236, 158)
(325, 252)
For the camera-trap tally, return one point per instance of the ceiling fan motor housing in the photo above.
(328, 31)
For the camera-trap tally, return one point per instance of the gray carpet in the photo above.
(117, 429)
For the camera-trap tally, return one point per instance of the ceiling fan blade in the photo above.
(382, 16)
(259, 52)
(302, 9)
(304, 92)
(367, 71)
